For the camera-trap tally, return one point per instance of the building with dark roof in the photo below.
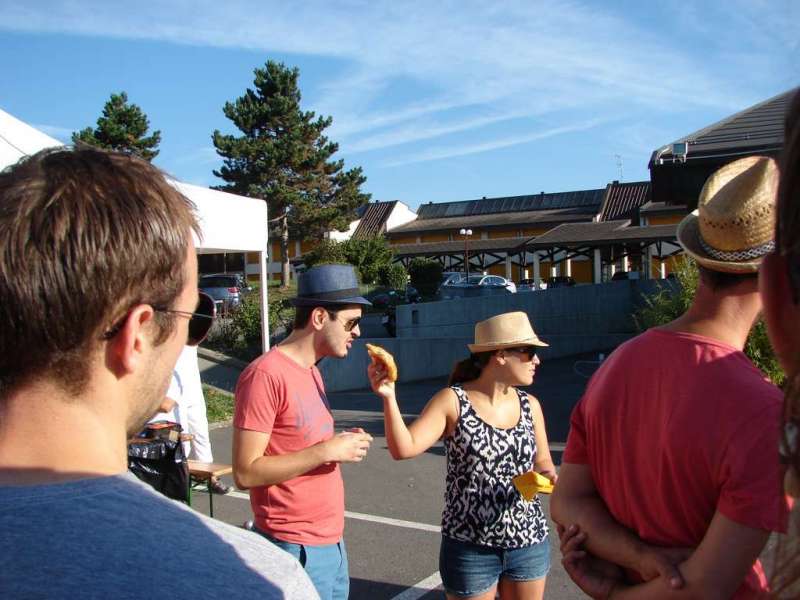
(679, 170)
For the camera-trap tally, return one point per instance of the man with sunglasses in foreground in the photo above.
(285, 450)
(98, 283)
(185, 403)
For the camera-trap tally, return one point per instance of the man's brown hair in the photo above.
(86, 235)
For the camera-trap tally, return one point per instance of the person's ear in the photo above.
(319, 316)
(126, 350)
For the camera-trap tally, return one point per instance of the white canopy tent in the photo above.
(228, 223)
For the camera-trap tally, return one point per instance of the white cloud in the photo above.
(414, 71)
(462, 150)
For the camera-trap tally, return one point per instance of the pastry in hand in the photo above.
(531, 483)
(381, 356)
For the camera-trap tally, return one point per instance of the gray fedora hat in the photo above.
(328, 285)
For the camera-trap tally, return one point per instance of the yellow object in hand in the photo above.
(531, 483)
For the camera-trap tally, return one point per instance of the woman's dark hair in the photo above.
(470, 368)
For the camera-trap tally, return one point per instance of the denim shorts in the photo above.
(326, 566)
(468, 569)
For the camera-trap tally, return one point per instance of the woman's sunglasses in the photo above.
(530, 351)
(199, 321)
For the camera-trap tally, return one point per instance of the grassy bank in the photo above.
(219, 404)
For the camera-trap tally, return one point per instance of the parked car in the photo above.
(451, 277)
(560, 281)
(492, 280)
(526, 285)
(226, 289)
(478, 285)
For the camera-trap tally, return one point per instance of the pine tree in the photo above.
(283, 158)
(122, 127)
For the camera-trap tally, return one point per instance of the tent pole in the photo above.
(264, 275)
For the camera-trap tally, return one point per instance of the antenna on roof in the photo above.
(620, 164)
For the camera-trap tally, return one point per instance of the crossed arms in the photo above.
(715, 569)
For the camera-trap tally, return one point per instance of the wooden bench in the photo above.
(200, 471)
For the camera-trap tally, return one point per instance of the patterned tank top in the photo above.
(481, 504)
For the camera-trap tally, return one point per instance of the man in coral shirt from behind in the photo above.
(285, 450)
(670, 470)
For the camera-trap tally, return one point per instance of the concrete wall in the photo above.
(434, 335)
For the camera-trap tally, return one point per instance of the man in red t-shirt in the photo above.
(671, 470)
(285, 450)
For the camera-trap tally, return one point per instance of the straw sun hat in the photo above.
(509, 330)
(733, 227)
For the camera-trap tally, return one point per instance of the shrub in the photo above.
(674, 300)
(367, 255)
(393, 276)
(326, 252)
(426, 275)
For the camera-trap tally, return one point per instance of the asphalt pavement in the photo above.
(394, 507)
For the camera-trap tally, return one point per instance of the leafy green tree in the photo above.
(426, 275)
(326, 252)
(123, 127)
(283, 158)
(367, 255)
(394, 276)
(672, 301)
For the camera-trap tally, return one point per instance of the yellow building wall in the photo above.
(582, 271)
(671, 264)
(502, 233)
(499, 269)
(436, 237)
(534, 231)
(544, 269)
(407, 239)
(306, 246)
(252, 258)
(664, 219)
(275, 251)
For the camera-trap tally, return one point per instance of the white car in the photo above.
(490, 280)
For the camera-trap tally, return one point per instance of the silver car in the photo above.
(226, 289)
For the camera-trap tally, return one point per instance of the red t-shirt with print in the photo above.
(277, 396)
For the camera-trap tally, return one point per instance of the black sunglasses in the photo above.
(348, 325)
(529, 350)
(199, 321)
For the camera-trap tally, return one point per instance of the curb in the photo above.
(222, 359)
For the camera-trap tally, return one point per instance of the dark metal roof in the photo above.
(538, 217)
(373, 220)
(663, 208)
(623, 200)
(754, 130)
(457, 247)
(580, 235)
(485, 206)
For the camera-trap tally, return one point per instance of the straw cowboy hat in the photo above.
(733, 227)
(328, 285)
(509, 330)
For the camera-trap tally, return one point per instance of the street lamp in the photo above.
(466, 233)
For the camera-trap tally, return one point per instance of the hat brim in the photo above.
(513, 344)
(298, 301)
(688, 235)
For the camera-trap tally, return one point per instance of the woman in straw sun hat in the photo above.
(493, 539)
(779, 282)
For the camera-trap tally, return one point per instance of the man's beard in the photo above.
(148, 396)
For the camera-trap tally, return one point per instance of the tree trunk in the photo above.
(285, 268)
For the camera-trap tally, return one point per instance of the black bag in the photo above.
(156, 457)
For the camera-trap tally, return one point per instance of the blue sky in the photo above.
(437, 101)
